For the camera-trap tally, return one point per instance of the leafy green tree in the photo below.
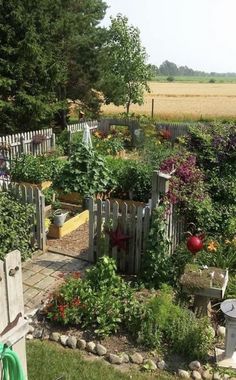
(123, 64)
(168, 68)
(48, 53)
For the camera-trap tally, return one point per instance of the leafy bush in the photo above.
(15, 226)
(162, 322)
(131, 177)
(28, 168)
(85, 173)
(102, 300)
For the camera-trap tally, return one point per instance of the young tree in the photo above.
(123, 65)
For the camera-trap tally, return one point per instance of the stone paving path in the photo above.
(43, 273)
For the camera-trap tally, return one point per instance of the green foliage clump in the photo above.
(162, 322)
(86, 173)
(28, 168)
(15, 226)
(102, 300)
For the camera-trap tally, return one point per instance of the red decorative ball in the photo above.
(194, 244)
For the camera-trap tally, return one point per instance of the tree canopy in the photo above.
(123, 64)
(47, 54)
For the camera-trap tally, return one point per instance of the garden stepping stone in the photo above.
(196, 375)
(149, 364)
(55, 337)
(91, 347)
(183, 374)
(115, 359)
(63, 340)
(136, 358)
(81, 344)
(195, 365)
(100, 349)
(72, 342)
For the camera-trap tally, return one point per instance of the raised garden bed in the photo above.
(74, 198)
(75, 219)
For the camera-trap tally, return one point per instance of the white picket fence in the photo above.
(80, 126)
(12, 146)
(13, 326)
(31, 195)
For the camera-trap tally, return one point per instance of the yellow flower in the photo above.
(212, 246)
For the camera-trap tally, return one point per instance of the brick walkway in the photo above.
(44, 273)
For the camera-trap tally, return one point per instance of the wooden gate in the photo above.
(133, 222)
(13, 326)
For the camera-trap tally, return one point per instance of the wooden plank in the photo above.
(115, 214)
(91, 230)
(146, 227)
(38, 216)
(124, 227)
(138, 242)
(14, 284)
(99, 227)
(4, 317)
(132, 234)
(155, 197)
(43, 245)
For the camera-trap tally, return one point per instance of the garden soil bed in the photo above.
(74, 244)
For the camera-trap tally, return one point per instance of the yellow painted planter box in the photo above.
(69, 226)
(41, 186)
(75, 198)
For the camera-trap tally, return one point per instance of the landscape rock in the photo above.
(81, 344)
(183, 374)
(125, 358)
(221, 331)
(72, 342)
(100, 349)
(216, 376)
(207, 375)
(150, 364)
(91, 347)
(55, 337)
(29, 337)
(63, 340)
(161, 364)
(115, 359)
(195, 365)
(136, 358)
(30, 329)
(196, 375)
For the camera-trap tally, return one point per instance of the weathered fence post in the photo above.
(160, 186)
(13, 326)
(22, 145)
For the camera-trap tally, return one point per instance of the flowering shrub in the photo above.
(102, 300)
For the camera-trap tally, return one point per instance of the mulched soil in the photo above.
(74, 244)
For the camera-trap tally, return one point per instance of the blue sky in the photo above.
(198, 33)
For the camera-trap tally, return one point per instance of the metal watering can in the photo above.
(59, 217)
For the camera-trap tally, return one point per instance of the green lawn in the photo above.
(49, 361)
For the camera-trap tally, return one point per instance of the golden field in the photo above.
(183, 101)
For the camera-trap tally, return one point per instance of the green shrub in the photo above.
(101, 301)
(28, 168)
(85, 173)
(15, 226)
(161, 322)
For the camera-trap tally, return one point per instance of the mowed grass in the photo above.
(186, 101)
(48, 361)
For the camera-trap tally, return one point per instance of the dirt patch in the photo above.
(74, 244)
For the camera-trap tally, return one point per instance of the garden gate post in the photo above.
(13, 326)
(160, 186)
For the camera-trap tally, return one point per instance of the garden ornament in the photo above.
(118, 238)
(195, 240)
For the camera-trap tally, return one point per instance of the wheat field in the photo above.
(186, 101)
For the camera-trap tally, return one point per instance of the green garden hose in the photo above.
(11, 366)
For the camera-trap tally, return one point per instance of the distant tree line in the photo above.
(168, 69)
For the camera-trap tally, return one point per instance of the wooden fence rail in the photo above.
(133, 222)
(13, 326)
(79, 127)
(176, 129)
(31, 195)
